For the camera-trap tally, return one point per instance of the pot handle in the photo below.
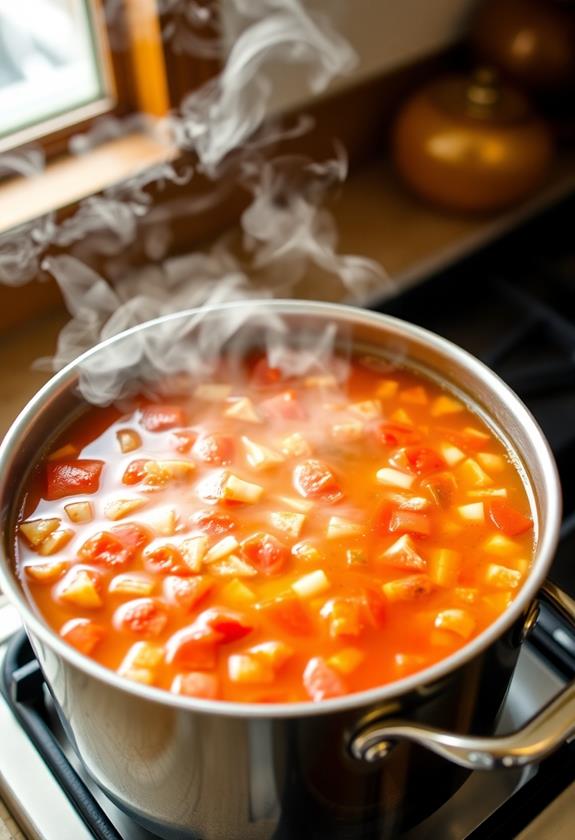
(540, 736)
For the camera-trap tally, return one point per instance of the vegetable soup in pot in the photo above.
(274, 538)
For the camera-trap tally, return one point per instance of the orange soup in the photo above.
(286, 539)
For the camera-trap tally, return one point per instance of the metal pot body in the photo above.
(228, 771)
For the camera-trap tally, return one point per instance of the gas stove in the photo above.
(513, 306)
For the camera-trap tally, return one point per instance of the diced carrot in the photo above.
(83, 634)
(507, 519)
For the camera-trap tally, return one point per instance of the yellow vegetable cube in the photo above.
(79, 512)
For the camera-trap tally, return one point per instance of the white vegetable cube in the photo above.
(55, 541)
(491, 462)
(243, 409)
(323, 381)
(475, 512)
(502, 577)
(451, 454)
(367, 410)
(301, 505)
(295, 446)
(131, 583)
(79, 512)
(80, 588)
(445, 405)
(212, 392)
(307, 552)
(456, 621)
(476, 435)
(311, 584)
(36, 530)
(238, 490)
(347, 660)
(402, 553)
(386, 388)
(118, 508)
(236, 592)
(232, 566)
(471, 473)
(141, 662)
(288, 522)
(410, 588)
(46, 572)
(500, 544)
(193, 551)
(339, 528)
(162, 472)
(227, 545)
(347, 432)
(261, 457)
(244, 668)
(487, 493)
(273, 653)
(394, 478)
(164, 521)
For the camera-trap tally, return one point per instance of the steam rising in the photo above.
(285, 230)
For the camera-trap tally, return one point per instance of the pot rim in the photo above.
(548, 532)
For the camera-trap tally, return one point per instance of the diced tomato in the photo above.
(192, 648)
(187, 592)
(422, 460)
(314, 480)
(214, 524)
(374, 608)
(285, 406)
(183, 440)
(133, 536)
(410, 522)
(227, 624)
(196, 684)
(322, 682)
(289, 612)
(135, 472)
(67, 478)
(382, 518)
(144, 617)
(83, 634)
(507, 519)
(166, 559)
(441, 487)
(395, 434)
(266, 553)
(159, 418)
(215, 449)
(263, 375)
(105, 549)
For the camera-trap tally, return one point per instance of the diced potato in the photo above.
(348, 431)
(444, 566)
(408, 662)
(232, 566)
(307, 552)
(128, 439)
(386, 388)
(472, 474)
(491, 462)
(212, 392)
(131, 583)
(79, 512)
(451, 454)
(522, 564)
(355, 557)
(347, 660)
(394, 478)
(400, 415)
(456, 621)
(339, 528)
(237, 593)
(442, 638)
(118, 508)
(487, 492)
(475, 435)
(311, 584)
(367, 410)
(502, 577)
(193, 551)
(35, 531)
(81, 588)
(416, 503)
(162, 472)
(288, 522)
(243, 409)
(323, 381)
(66, 451)
(498, 601)
(273, 653)
(238, 490)
(402, 553)
(408, 588)
(55, 541)
(295, 446)
(244, 668)
(227, 545)
(467, 594)
(301, 505)
(445, 405)
(145, 676)
(261, 457)
(449, 528)
(414, 396)
(472, 513)
(141, 663)
(500, 544)
(164, 521)
(46, 572)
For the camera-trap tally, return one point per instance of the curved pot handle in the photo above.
(539, 737)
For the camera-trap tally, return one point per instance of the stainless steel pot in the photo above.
(229, 771)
